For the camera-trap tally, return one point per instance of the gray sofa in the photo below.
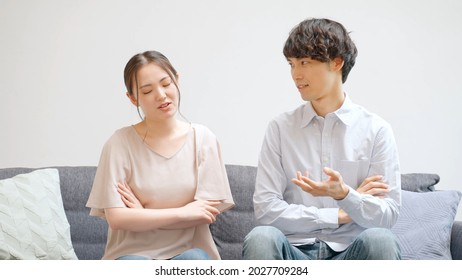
(88, 234)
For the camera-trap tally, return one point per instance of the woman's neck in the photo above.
(161, 128)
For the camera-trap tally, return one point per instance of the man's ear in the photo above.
(132, 99)
(336, 64)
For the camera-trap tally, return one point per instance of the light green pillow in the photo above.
(33, 224)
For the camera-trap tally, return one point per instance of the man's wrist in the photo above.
(344, 190)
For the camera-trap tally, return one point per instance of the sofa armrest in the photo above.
(456, 240)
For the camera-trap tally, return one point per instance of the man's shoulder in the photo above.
(289, 117)
(374, 120)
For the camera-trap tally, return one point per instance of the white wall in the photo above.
(61, 64)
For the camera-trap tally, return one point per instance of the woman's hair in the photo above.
(322, 40)
(141, 59)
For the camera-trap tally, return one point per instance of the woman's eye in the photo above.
(146, 92)
(167, 84)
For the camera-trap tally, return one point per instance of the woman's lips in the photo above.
(164, 106)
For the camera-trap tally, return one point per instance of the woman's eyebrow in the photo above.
(148, 85)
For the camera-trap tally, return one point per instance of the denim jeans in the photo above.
(191, 254)
(269, 243)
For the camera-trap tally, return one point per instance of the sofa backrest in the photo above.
(233, 225)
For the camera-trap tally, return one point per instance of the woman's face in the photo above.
(158, 96)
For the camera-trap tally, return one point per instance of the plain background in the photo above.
(61, 73)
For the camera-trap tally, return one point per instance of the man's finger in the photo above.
(302, 185)
(335, 175)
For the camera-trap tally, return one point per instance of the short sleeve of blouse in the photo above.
(112, 169)
(212, 180)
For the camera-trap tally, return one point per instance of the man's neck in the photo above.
(328, 104)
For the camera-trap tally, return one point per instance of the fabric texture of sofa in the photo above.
(426, 228)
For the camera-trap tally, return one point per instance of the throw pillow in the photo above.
(33, 224)
(424, 225)
(419, 182)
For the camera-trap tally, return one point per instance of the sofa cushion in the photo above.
(88, 234)
(456, 240)
(424, 224)
(419, 182)
(233, 225)
(32, 218)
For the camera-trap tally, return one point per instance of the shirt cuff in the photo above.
(328, 217)
(351, 202)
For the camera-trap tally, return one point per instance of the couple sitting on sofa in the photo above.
(161, 182)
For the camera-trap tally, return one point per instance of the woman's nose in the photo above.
(161, 96)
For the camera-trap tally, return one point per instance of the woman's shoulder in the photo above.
(203, 132)
(120, 136)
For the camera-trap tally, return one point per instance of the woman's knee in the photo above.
(132, 257)
(193, 254)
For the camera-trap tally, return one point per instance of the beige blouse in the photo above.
(196, 171)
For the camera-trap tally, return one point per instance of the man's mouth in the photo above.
(300, 86)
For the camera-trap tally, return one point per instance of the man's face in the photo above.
(314, 79)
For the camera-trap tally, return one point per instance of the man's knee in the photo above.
(380, 244)
(263, 234)
(263, 242)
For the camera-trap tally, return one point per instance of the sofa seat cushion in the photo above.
(33, 224)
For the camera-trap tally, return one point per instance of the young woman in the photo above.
(160, 182)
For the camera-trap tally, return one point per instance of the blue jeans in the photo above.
(269, 243)
(191, 254)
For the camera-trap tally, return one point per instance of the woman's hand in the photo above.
(127, 195)
(373, 186)
(202, 211)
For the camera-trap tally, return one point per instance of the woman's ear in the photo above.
(132, 99)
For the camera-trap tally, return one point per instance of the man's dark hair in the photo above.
(322, 40)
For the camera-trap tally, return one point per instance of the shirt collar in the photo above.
(345, 113)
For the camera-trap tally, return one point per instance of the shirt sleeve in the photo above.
(112, 169)
(271, 182)
(212, 179)
(369, 211)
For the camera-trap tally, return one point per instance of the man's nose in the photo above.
(296, 73)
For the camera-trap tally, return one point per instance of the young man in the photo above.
(349, 194)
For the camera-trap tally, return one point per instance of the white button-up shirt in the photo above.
(350, 140)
